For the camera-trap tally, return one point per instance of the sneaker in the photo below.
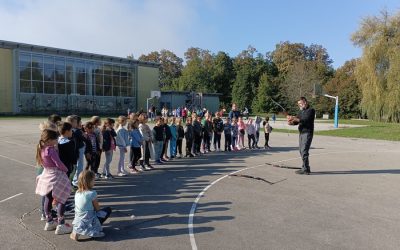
(63, 229)
(110, 176)
(121, 174)
(147, 168)
(50, 226)
(302, 171)
(43, 217)
(134, 171)
(97, 176)
(98, 235)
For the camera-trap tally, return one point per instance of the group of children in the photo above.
(65, 145)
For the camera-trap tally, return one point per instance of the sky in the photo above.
(122, 27)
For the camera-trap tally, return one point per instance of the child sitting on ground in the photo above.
(88, 215)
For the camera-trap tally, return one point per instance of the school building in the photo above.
(41, 80)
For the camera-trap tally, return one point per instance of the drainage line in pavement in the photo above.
(256, 178)
(281, 166)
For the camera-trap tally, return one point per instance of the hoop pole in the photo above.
(336, 112)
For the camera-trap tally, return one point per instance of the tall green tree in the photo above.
(223, 76)
(170, 66)
(197, 74)
(378, 73)
(267, 93)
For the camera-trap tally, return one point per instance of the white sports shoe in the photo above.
(50, 226)
(63, 229)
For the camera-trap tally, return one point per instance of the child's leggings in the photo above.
(233, 142)
(121, 162)
(48, 204)
(106, 168)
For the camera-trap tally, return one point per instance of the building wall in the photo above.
(148, 80)
(211, 103)
(6, 81)
(172, 101)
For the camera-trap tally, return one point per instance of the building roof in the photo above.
(73, 53)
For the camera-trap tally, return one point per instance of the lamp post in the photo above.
(336, 121)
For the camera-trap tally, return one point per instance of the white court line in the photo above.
(18, 144)
(9, 198)
(11, 159)
(196, 201)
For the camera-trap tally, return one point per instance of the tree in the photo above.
(170, 66)
(223, 76)
(300, 67)
(377, 72)
(344, 85)
(267, 93)
(197, 74)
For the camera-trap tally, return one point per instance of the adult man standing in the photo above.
(305, 120)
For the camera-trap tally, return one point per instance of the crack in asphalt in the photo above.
(281, 166)
(257, 178)
(22, 224)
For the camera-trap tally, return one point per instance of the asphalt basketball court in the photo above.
(247, 200)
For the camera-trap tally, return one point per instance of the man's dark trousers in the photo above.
(305, 139)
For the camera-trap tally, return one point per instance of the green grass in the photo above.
(373, 130)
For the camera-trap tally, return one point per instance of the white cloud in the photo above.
(116, 28)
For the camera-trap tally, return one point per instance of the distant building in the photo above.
(174, 99)
(42, 80)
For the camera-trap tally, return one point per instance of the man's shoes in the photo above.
(302, 171)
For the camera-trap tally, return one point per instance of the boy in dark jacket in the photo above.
(66, 147)
(189, 136)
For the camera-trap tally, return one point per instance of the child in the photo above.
(168, 135)
(136, 144)
(181, 135)
(228, 134)
(122, 142)
(208, 131)
(92, 147)
(88, 215)
(197, 129)
(241, 128)
(77, 135)
(148, 153)
(99, 135)
(267, 131)
(257, 125)
(109, 145)
(39, 168)
(53, 183)
(66, 146)
(174, 136)
(189, 136)
(251, 130)
(234, 134)
(218, 128)
(158, 138)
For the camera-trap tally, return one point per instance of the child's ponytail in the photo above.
(39, 147)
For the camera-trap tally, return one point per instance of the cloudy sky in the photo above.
(123, 27)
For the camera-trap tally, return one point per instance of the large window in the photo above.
(43, 73)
